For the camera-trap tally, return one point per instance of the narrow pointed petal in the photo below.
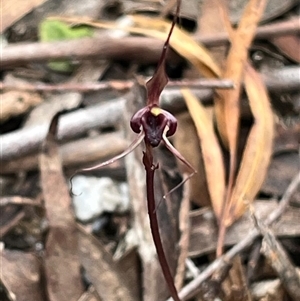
(130, 148)
(177, 154)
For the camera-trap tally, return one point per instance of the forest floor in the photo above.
(72, 75)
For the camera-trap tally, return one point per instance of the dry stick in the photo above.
(263, 32)
(72, 125)
(114, 84)
(190, 289)
(277, 79)
(144, 50)
(274, 252)
(74, 153)
(18, 200)
(24, 141)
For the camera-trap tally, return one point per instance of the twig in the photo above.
(145, 50)
(272, 249)
(73, 154)
(18, 200)
(27, 140)
(192, 268)
(277, 79)
(279, 260)
(108, 114)
(114, 84)
(24, 141)
(263, 32)
(189, 290)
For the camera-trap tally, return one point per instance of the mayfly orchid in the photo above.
(153, 126)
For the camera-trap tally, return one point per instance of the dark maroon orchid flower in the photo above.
(154, 125)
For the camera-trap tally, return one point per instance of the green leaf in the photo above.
(53, 30)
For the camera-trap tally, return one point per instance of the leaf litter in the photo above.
(69, 247)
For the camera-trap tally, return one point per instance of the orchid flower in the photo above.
(153, 126)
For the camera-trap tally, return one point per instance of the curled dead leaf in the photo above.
(227, 101)
(258, 149)
(212, 155)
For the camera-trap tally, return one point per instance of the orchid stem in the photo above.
(150, 169)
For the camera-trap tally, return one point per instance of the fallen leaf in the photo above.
(258, 149)
(189, 146)
(107, 276)
(20, 272)
(62, 265)
(13, 10)
(211, 152)
(227, 105)
(227, 102)
(289, 45)
(235, 284)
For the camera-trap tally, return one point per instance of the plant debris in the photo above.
(71, 80)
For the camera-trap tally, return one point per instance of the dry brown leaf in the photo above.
(13, 10)
(62, 265)
(227, 102)
(187, 143)
(212, 155)
(20, 273)
(180, 40)
(15, 103)
(227, 105)
(107, 276)
(258, 149)
(289, 45)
